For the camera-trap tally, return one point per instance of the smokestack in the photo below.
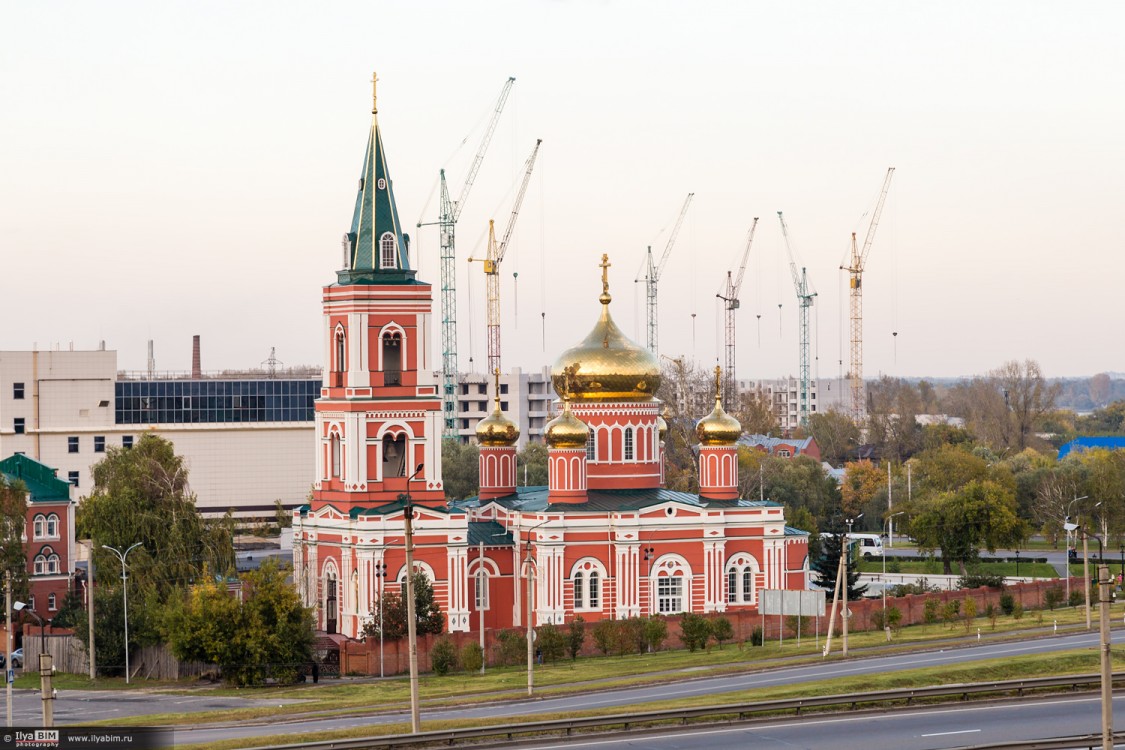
(196, 370)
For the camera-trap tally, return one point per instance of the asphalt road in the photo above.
(517, 709)
(935, 728)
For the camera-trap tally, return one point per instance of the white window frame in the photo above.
(670, 594)
(39, 527)
(52, 526)
(387, 253)
(627, 443)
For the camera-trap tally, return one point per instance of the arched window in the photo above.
(394, 455)
(740, 579)
(52, 526)
(747, 584)
(335, 440)
(387, 251)
(590, 446)
(480, 584)
(40, 564)
(628, 443)
(732, 586)
(669, 594)
(51, 602)
(40, 526)
(587, 575)
(340, 361)
(579, 591)
(593, 590)
(392, 358)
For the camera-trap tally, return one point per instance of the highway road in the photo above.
(518, 709)
(934, 728)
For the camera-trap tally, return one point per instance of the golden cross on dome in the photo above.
(496, 373)
(718, 380)
(374, 80)
(605, 264)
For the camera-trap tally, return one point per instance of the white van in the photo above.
(870, 545)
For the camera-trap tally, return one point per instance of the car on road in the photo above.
(17, 658)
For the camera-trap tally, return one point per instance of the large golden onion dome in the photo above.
(718, 427)
(496, 430)
(606, 366)
(566, 430)
(661, 426)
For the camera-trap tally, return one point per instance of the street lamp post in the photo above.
(650, 554)
(1017, 563)
(125, 596)
(481, 602)
(530, 563)
(1123, 564)
(411, 623)
(1068, 527)
(381, 574)
(886, 625)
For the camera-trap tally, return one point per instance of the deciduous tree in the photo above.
(862, 481)
(980, 514)
(13, 522)
(836, 434)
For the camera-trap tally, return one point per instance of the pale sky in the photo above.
(179, 168)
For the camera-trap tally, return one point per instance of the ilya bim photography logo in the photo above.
(80, 738)
(32, 738)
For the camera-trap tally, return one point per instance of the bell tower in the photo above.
(378, 416)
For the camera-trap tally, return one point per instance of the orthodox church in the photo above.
(603, 540)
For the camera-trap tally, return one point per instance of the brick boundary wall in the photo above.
(362, 657)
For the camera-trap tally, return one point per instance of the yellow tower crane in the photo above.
(855, 270)
(496, 252)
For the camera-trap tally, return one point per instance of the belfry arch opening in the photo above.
(394, 455)
(392, 358)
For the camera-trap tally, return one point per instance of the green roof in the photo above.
(490, 534)
(41, 481)
(534, 499)
(375, 218)
(396, 506)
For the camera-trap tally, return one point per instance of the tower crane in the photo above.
(492, 265)
(449, 212)
(804, 302)
(652, 275)
(730, 298)
(855, 270)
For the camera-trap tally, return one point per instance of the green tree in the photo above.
(427, 613)
(532, 465)
(605, 635)
(550, 641)
(801, 482)
(961, 522)
(827, 564)
(141, 495)
(755, 413)
(472, 657)
(443, 657)
(836, 435)
(656, 632)
(721, 630)
(1028, 396)
(893, 406)
(460, 469)
(268, 633)
(13, 526)
(695, 631)
(575, 636)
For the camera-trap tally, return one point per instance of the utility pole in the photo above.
(480, 603)
(1107, 658)
(90, 607)
(8, 641)
(1086, 572)
(411, 615)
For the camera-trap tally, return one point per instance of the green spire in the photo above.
(376, 247)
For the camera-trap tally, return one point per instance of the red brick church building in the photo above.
(605, 538)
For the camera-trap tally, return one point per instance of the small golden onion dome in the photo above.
(606, 365)
(661, 426)
(566, 430)
(496, 430)
(718, 427)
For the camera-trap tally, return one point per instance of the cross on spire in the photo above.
(374, 81)
(718, 384)
(604, 265)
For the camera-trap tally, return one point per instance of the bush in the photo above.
(757, 637)
(970, 613)
(1077, 598)
(992, 612)
(550, 642)
(1007, 603)
(921, 586)
(656, 631)
(472, 657)
(931, 610)
(630, 636)
(721, 630)
(1053, 597)
(1017, 611)
(575, 636)
(443, 657)
(980, 580)
(892, 620)
(605, 635)
(695, 631)
(512, 646)
(950, 611)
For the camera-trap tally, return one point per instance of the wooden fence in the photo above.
(69, 655)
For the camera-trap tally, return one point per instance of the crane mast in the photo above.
(855, 271)
(492, 265)
(449, 212)
(730, 298)
(652, 276)
(804, 302)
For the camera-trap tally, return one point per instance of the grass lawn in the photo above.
(933, 567)
(358, 695)
(1083, 661)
